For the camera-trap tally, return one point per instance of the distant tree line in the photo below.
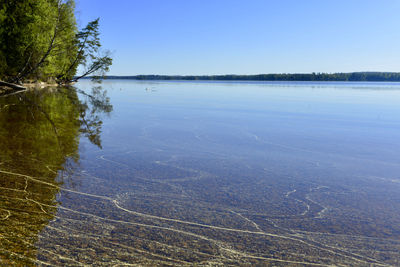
(40, 41)
(352, 76)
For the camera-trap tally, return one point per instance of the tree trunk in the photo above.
(12, 86)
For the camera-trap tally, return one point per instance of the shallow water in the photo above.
(182, 173)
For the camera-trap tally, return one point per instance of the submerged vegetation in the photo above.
(40, 41)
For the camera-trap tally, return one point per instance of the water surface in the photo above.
(183, 173)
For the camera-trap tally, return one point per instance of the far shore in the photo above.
(273, 77)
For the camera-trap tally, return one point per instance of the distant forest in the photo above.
(352, 76)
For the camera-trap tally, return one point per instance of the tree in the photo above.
(39, 40)
(94, 61)
(58, 47)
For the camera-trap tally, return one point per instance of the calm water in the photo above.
(182, 173)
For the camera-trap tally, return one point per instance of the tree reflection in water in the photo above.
(39, 141)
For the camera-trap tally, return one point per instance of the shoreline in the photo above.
(38, 85)
(10, 88)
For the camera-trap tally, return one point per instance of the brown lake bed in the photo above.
(201, 173)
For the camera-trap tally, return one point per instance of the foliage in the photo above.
(39, 40)
(88, 55)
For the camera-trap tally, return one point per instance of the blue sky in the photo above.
(248, 36)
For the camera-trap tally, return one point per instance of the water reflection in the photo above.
(39, 140)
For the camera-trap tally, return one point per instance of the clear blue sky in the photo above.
(247, 36)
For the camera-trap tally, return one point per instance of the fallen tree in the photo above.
(12, 86)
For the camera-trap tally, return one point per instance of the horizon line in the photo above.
(254, 74)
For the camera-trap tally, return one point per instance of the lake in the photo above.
(201, 173)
